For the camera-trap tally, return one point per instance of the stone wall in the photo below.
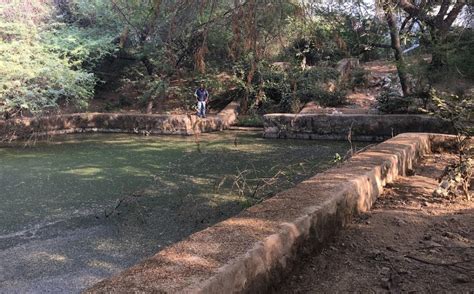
(255, 249)
(365, 127)
(118, 123)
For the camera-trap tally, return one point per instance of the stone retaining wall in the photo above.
(365, 127)
(118, 123)
(255, 249)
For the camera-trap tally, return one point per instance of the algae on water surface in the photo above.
(80, 208)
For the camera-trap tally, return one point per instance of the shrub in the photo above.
(457, 177)
(287, 90)
(276, 84)
(318, 75)
(43, 64)
(392, 102)
(460, 53)
(458, 110)
(312, 85)
(34, 78)
(359, 77)
(83, 47)
(331, 99)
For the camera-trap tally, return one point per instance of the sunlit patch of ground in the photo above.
(411, 242)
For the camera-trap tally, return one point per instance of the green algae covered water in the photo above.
(80, 208)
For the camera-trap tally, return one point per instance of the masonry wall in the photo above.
(117, 123)
(365, 127)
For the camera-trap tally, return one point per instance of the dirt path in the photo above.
(409, 242)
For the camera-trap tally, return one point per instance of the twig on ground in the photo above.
(455, 264)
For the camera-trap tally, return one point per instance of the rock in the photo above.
(345, 67)
(403, 271)
(385, 270)
(390, 248)
(399, 222)
(461, 278)
(430, 243)
(450, 235)
(385, 283)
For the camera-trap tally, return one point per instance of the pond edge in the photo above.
(134, 123)
(254, 250)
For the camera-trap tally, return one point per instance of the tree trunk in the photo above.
(148, 65)
(150, 70)
(149, 107)
(439, 59)
(397, 49)
(251, 44)
(438, 24)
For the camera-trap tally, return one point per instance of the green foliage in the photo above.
(460, 53)
(392, 102)
(313, 84)
(43, 63)
(292, 88)
(55, 49)
(218, 44)
(359, 77)
(153, 87)
(363, 39)
(337, 158)
(333, 34)
(34, 78)
(322, 97)
(276, 84)
(250, 121)
(83, 47)
(459, 112)
(456, 179)
(317, 41)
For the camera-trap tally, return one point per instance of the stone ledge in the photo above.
(160, 124)
(255, 249)
(365, 127)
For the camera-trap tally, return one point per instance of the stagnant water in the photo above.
(80, 208)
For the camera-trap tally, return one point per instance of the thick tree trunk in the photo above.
(397, 49)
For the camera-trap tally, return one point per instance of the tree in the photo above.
(438, 23)
(395, 45)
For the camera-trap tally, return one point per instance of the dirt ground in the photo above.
(410, 242)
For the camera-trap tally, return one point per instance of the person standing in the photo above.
(202, 97)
